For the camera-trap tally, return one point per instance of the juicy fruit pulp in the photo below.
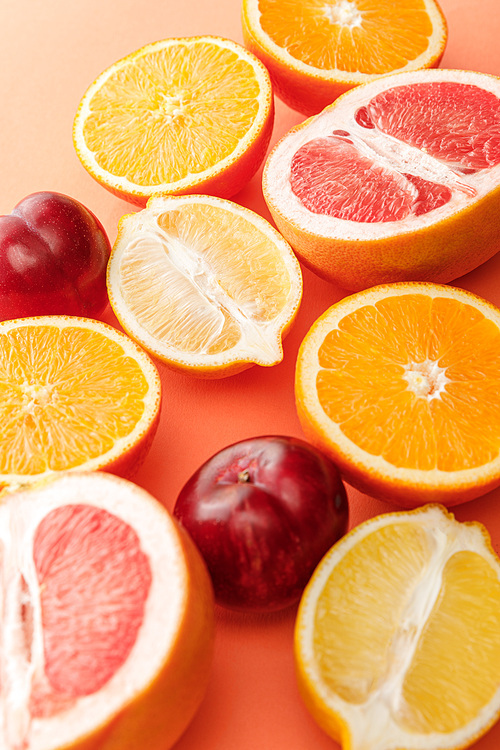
(74, 392)
(398, 632)
(398, 385)
(454, 126)
(94, 570)
(174, 115)
(109, 573)
(345, 35)
(225, 285)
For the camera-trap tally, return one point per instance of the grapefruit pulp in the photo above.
(398, 180)
(108, 613)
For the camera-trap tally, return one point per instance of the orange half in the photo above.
(178, 116)
(316, 50)
(75, 394)
(400, 385)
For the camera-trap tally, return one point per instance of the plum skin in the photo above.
(53, 258)
(263, 512)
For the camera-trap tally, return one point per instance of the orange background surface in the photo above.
(50, 51)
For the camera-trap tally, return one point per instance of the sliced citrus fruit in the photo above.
(399, 384)
(398, 180)
(317, 50)
(107, 618)
(204, 285)
(177, 116)
(75, 394)
(397, 637)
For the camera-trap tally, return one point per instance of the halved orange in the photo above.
(398, 180)
(177, 116)
(317, 50)
(75, 394)
(204, 285)
(399, 384)
(397, 638)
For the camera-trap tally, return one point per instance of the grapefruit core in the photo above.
(398, 180)
(107, 618)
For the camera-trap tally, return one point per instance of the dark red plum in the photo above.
(263, 512)
(53, 258)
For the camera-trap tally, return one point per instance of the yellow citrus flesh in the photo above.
(397, 635)
(204, 285)
(316, 50)
(175, 115)
(75, 393)
(400, 385)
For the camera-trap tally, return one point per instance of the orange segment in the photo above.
(75, 393)
(316, 50)
(204, 285)
(397, 638)
(401, 385)
(175, 116)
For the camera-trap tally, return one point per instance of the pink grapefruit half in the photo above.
(107, 618)
(398, 180)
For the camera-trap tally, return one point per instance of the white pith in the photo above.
(172, 108)
(260, 341)
(331, 432)
(385, 150)
(426, 379)
(345, 13)
(20, 516)
(45, 394)
(371, 725)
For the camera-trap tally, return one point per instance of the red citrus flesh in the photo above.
(94, 581)
(455, 124)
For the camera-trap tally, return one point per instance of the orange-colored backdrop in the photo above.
(50, 51)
